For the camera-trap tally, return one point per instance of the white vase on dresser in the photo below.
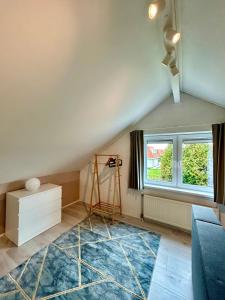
(30, 213)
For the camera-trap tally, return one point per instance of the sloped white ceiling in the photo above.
(203, 49)
(73, 74)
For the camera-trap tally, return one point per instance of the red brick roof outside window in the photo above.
(153, 153)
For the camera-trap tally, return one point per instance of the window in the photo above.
(181, 161)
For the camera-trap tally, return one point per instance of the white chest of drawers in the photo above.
(30, 213)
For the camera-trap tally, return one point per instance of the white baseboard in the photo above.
(67, 205)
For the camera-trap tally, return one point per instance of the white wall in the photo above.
(190, 115)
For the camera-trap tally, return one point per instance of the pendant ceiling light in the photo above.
(155, 7)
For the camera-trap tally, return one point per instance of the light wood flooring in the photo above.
(172, 274)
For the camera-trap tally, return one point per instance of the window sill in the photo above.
(205, 195)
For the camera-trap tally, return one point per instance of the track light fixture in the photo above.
(155, 7)
(167, 59)
(171, 35)
(173, 68)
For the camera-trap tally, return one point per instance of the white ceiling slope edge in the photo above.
(73, 74)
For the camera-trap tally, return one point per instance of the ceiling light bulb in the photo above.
(155, 8)
(172, 36)
(176, 38)
(152, 11)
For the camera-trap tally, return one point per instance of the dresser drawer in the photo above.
(40, 202)
(28, 218)
(31, 228)
(40, 210)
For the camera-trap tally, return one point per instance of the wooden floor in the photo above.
(172, 274)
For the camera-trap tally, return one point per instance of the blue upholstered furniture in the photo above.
(208, 255)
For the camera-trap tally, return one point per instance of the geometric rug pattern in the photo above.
(93, 260)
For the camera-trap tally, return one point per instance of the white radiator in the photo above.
(168, 211)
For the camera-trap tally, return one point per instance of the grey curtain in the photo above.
(218, 131)
(136, 160)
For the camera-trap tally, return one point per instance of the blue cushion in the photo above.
(211, 243)
(205, 214)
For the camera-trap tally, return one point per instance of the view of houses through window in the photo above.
(159, 159)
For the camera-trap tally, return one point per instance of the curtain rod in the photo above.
(179, 126)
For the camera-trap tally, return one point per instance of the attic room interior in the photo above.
(112, 157)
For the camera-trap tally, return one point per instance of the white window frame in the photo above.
(159, 139)
(194, 137)
(177, 139)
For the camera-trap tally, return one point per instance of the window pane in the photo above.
(160, 161)
(197, 163)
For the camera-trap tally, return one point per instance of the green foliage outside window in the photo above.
(194, 164)
(166, 163)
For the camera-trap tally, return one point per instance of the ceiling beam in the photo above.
(175, 86)
(176, 80)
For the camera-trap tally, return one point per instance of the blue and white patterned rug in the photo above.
(93, 260)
